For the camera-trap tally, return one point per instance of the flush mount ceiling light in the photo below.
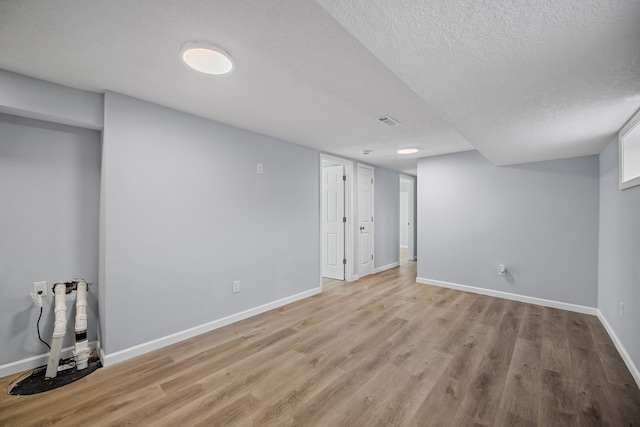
(408, 151)
(206, 58)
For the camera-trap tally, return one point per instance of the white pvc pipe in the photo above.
(81, 349)
(60, 311)
(59, 329)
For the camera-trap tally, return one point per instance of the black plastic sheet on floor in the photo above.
(36, 383)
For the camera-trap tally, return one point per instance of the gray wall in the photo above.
(386, 217)
(37, 99)
(416, 219)
(539, 219)
(49, 184)
(184, 214)
(619, 259)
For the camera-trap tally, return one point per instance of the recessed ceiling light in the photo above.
(408, 151)
(206, 58)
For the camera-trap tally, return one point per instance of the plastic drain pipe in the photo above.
(81, 349)
(59, 329)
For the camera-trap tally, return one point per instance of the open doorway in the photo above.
(407, 223)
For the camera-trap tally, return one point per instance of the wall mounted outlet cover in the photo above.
(502, 270)
(40, 288)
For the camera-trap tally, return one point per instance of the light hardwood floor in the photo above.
(380, 351)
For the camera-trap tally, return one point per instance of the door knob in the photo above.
(361, 228)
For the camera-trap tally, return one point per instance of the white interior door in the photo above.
(365, 220)
(333, 222)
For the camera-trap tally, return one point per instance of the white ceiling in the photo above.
(518, 81)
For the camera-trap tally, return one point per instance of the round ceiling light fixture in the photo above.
(408, 151)
(206, 58)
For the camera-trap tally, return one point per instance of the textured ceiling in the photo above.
(518, 82)
(522, 81)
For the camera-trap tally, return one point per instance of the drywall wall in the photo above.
(49, 184)
(415, 218)
(184, 214)
(539, 219)
(28, 97)
(386, 214)
(619, 255)
(189, 190)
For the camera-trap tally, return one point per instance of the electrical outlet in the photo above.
(40, 288)
(236, 286)
(501, 270)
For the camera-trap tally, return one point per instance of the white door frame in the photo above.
(412, 218)
(348, 212)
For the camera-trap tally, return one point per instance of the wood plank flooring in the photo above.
(380, 351)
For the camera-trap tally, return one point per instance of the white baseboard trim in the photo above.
(37, 361)
(128, 353)
(515, 297)
(623, 352)
(385, 267)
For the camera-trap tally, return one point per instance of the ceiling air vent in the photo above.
(388, 120)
